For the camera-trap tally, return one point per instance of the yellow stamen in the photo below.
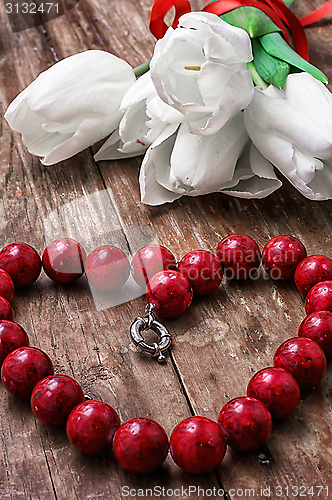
(193, 68)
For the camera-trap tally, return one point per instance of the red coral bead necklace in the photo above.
(197, 444)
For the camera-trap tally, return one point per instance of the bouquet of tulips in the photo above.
(223, 101)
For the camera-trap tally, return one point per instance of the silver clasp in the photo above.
(149, 322)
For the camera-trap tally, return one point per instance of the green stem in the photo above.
(141, 69)
(255, 76)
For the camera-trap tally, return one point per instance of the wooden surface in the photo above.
(218, 344)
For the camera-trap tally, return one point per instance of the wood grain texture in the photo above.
(218, 344)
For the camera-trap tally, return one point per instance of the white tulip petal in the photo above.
(212, 80)
(133, 124)
(142, 89)
(273, 91)
(293, 129)
(144, 121)
(260, 165)
(253, 188)
(219, 50)
(287, 120)
(276, 149)
(298, 168)
(184, 89)
(313, 98)
(237, 37)
(90, 131)
(306, 165)
(111, 149)
(155, 132)
(175, 84)
(16, 111)
(91, 103)
(158, 184)
(236, 95)
(155, 162)
(68, 108)
(200, 69)
(78, 92)
(319, 188)
(141, 144)
(321, 184)
(152, 193)
(157, 62)
(203, 163)
(254, 176)
(136, 130)
(156, 108)
(38, 141)
(168, 131)
(242, 169)
(161, 158)
(132, 148)
(61, 128)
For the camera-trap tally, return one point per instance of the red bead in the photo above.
(170, 292)
(21, 262)
(107, 268)
(277, 389)
(91, 426)
(6, 310)
(281, 256)
(246, 423)
(149, 261)
(304, 359)
(140, 445)
(197, 445)
(239, 255)
(312, 270)
(63, 260)
(318, 327)
(53, 399)
(319, 297)
(7, 288)
(12, 336)
(203, 270)
(23, 368)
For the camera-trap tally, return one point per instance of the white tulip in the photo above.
(292, 128)
(180, 163)
(72, 105)
(200, 69)
(145, 117)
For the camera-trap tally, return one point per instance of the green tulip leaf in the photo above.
(251, 19)
(255, 76)
(271, 69)
(275, 45)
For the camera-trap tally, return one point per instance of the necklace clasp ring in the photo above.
(149, 322)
